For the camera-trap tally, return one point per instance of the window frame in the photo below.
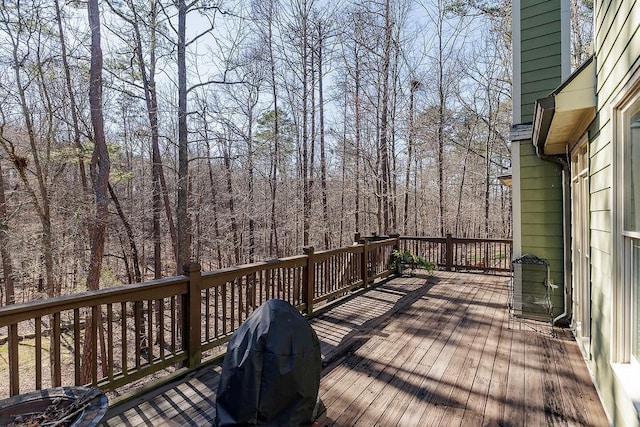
(625, 323)
(581, 244)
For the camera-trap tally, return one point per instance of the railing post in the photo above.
(191, 316)
(14, 367)
(396, 246)
(364, 261)
(449, 253)
(308, 285)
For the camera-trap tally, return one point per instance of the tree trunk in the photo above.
(487, 163)
(234, 223)
(440, 130)
(323, 160)
(414, 85)
(160, 193)
(130, 238)
(461, 188)
(384, 122)
(251, 196)
(7, 265)
(73, 108)
(100, 167)
(183, 221)
(306, 187)
(357, 125)
(274, 247)
(214, 194)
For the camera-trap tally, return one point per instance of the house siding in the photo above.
(541, 53)
(617, 47)
(541, 213)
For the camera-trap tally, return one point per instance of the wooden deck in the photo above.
(418, 352)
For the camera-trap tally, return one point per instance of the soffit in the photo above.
(564, 116)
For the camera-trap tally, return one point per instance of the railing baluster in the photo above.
(109, 341)
(161, 328)
(334, 280)
(14, 362)
(232, 305)
(95, 319)
(38, 350)
(329, 275)
(215, 312)
(150, 340)
(308, 280)
(296, 278)
(338, 273)
(273, 284)
(251, 305)
(257, 292)
(124, 356)
(288, 283)
(76, 347)
(207, 312)
(285, 285)
(224, 308)
(271, 289)
(241, 290)
(137, 316)
(174, 322)
(57, 368)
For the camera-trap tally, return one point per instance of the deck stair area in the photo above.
(423, 350)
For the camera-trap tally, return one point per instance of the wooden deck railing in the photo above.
(450, 253)
(144, 328)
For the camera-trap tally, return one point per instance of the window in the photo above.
(635, 280)
(629, 205)
(580, 245)
(631, 172)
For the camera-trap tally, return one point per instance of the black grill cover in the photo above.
(271, 371)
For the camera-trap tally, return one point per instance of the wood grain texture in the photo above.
(419, 351)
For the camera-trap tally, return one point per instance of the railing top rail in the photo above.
(456, 239)
(153, 289)
(355, 248)
(229, 273)
(424, 239)
(380, 243)
(472, 240)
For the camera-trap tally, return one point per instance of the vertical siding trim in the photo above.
(515, 194)
(517, 79)
(565, 39)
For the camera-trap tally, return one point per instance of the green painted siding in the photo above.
(541, 213)
(617, 47)
(545, 62)
(540, 52)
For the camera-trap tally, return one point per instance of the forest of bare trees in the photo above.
(236, 131)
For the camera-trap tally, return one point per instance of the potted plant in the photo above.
(400, 259)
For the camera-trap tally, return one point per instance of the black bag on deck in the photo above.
(271, 371)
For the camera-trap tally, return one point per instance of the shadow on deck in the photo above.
(418, 351)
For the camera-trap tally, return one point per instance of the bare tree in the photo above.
(20, 26)
(145, 58)
(7, 264)
(99, 168)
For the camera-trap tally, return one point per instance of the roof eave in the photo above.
(561, 118)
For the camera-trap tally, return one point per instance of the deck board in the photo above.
(418, 351)
(489, 370)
